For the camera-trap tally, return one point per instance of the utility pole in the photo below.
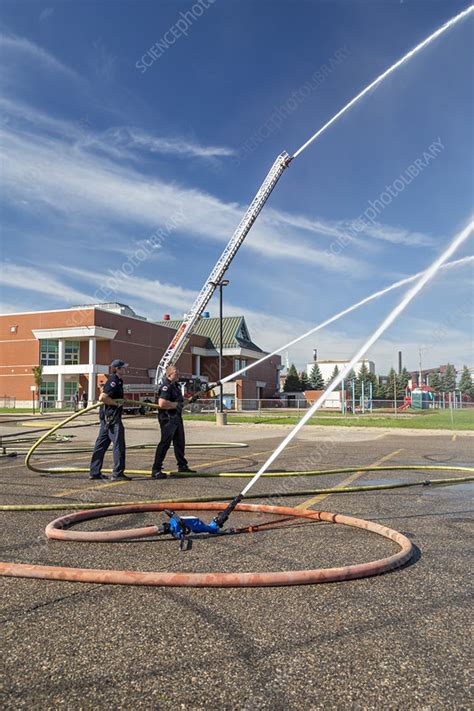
(395, 395)
(221, 418)
(421, 373)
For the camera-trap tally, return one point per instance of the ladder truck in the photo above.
(178, 343)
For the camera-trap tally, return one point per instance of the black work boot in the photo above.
(158, 475)
(186, 470)
(121, 477)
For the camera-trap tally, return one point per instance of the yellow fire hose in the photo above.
(273, 495)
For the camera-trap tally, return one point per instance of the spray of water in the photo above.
(375, 295)
(385, 74)
(409, 296)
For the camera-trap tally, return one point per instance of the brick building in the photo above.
(76, 345)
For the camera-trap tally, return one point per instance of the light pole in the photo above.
(221, 284)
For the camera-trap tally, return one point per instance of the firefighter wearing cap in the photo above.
(171, 403)
(111, 426)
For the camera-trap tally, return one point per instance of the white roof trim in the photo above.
(246, 352)
(210, 352)
(198, 350)
(76, 332)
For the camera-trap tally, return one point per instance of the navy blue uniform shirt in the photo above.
(170, 391)
(114, 389)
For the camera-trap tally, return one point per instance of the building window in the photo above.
(49, 351)
(71, 353)
(48, 392)
(240, 363)
(70, 389)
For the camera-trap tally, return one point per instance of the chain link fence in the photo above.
(232, 405)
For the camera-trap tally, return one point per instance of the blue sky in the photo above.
(100, 151)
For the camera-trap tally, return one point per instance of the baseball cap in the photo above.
(118, 364)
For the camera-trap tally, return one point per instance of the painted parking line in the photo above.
(40, 461)
(232, 459)
(349, 480)
(38, 424)
(454, 437)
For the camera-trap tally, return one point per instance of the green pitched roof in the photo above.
(234, 330)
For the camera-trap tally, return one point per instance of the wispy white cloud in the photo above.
(49, 172)
(31, 279)
(326, 228)
(134, 138)
(335, 229)
(118, 142)
(20, 47)
(141, 289)
(47, 12)
(25, 119)
(398, 235)
(103, 61)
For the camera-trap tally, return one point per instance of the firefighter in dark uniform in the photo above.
(111, 427)
(171, 403)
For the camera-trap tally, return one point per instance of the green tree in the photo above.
(466, 386)
(292, 382)
(362, 377)
(38, 378)
(334, 375)
(372, 378)
(402, 382)
(349, 378)
(448, 380)
(304, 381)
(435, 382)
(315, 378)
(391, 385)
(379, 391)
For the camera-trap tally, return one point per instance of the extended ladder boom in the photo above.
(176, 346)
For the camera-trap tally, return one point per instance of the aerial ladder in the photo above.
(178, 343)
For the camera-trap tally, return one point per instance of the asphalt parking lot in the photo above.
(399, 640)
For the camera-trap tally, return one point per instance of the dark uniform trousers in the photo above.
(114, 433)
(172, 430)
